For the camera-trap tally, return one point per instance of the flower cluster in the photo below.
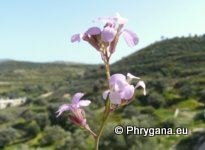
(121, 90)
(107, 37)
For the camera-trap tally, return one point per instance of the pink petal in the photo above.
(130, 38)
(108, 34)
(115, 98)
(62, 108)
(84, 102)
(105, 94)
(107, 19)
(115, 77)
(128, 92)
(141, 84)
(121, 84)
(115, 87)
(77, 97)
(121, 20)
(93, 31)
(76, 37)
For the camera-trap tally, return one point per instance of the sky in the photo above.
(40, 30)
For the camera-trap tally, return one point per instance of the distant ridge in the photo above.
(5, 60)
(65, 62)
(9, 64)
(36, 62)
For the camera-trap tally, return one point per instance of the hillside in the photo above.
(175, 57)
(173, 70)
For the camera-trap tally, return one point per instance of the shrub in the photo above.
(42, 119)
(130, 111)
(72, 141)
(4, 117)
(200, 117)
(156, 100)
(159, 85)
(202, 96)
(153, 98)
(32, 128)
(168, 123)
(186, 91)
(147, 110)
(51, 135)
(7, 135)
(193, 142)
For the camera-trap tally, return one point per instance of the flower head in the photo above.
(122, 91)
(79, 114)
(108, 37)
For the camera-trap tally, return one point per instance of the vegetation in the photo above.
(173, 70)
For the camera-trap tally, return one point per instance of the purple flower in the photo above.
(91, 31)
(108, 34)
(91, 36)
(79, 115)
(78, 118)
(130, 37)
(108, 37)
(121, 88)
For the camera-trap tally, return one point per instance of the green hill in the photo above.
(178, 57)
(172, 69)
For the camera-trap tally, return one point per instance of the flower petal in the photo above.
(62, 108)
(141, 84)
(76, 37)
(121, 20)
(121, 84)
(130, 77)
(115, 77)
(107, 19)
(108, 34)
(115, 98)
(130, 38)
(105, 94)
(93, 31)
(84, 102)
(76, 98)
(127, 92)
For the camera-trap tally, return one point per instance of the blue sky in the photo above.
(40, 30)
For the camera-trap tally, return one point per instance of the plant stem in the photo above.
(91, 132)
(107, 65)
(107, 108)
(107, 70)
(101, 128)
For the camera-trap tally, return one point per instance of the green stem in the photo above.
(107, 108)
(107, 70)
(101, 128)
(91, 132)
